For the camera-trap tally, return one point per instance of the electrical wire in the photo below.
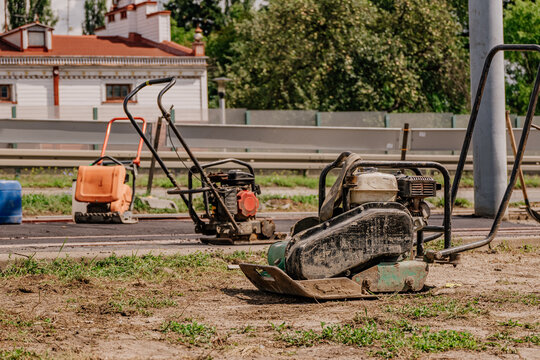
(179, 158)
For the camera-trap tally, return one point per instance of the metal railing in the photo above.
(292, 147)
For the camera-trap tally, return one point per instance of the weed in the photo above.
(34, 204)
(392, 341)
(435, 308)
(19, 353)
(141, 305)
(444, 340)
(146, 266)
(190, 332)
(460, 202)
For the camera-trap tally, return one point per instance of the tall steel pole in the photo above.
(489, 138)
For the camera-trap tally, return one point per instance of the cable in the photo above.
(179, 158)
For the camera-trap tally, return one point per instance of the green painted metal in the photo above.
(248, 117)
(276, 254)
(394, 276)
(173, 116)
(386, 120)
(13, 112)
(317, 119)
(95, 113)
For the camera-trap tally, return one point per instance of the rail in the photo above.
(270, 147)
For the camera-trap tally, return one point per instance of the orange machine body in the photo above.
(106, 184)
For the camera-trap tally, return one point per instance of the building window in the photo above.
(123, 15)
(36, 38)
(5, 92)
(111, 18)
(117, 91)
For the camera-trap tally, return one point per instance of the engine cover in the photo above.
(350, 241)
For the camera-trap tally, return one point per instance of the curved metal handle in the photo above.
(137, 160)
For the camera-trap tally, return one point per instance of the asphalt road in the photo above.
(175, 235)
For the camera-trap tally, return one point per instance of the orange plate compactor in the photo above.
(103, 187)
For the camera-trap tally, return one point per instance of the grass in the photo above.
(189, 331)
(460, 202)
(433, 308)
(126, 267)
(40, 204)
(126, 304)
(392, 339)
(20, 353)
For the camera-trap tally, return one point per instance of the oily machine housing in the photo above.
(368, 237)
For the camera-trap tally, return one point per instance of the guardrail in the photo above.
(203, 137)
(24, 158)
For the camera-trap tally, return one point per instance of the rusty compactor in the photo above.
(229, 198)
(369, 235)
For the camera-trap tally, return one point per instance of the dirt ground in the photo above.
(217, 313)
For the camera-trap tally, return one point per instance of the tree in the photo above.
(339, 55)
(94, 15)
(21, 14)
(521, 26)
(185, 12)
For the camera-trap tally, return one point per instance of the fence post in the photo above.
(13, 116)
(453, 121)
(386, 120)
(317, 119)
(94, 113)
(247, 120)
(173, 116)
(518, 122)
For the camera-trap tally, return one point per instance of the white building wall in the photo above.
(35, 92)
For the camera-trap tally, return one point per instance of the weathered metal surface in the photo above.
(349, 241)
(273, 279)
(409, 275)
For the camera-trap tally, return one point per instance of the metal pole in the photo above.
(153, 161)
(489, 139)
(222, 107)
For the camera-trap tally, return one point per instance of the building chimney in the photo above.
(198, 44)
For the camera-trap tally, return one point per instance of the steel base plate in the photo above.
(273, 279)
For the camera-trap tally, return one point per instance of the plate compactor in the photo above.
(363, 243)
(229, 198)
(102, 190)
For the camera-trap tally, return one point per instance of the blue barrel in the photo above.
(10, 202)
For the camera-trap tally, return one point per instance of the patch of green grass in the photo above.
(514, 323)
(392, 341)
(125, 304)
(447, 308)
(120, 267)
(37, 204)
(40, 177)
(460, 202)
(20, 354)
(511, 297)
(190, 331)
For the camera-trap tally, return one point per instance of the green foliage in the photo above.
(521, 26)
(393, 340)
(180, 35)
(94, 15)
(185, 11)
(190, 332)
(21, 13)
(438, 308)
(19, 354)
(123, 267)
(39, 204)
(350, 55)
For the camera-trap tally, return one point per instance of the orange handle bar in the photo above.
(137, 160)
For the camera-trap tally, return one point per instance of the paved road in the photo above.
(173, 233)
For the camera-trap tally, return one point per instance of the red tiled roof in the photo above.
(91, 45)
